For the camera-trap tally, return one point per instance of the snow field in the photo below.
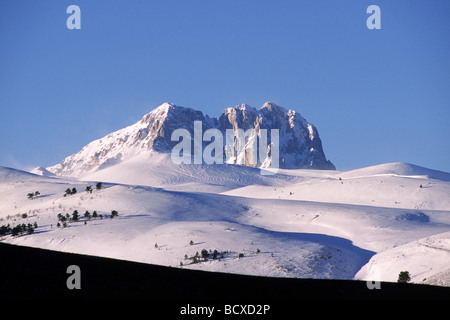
(307, 224)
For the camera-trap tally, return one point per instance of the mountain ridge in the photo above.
(300, 144)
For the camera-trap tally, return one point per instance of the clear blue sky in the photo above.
(375, 96)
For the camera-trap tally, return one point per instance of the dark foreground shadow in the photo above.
(30, 273)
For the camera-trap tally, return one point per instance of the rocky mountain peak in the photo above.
(299, 142)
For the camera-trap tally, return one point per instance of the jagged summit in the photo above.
(270, 106)
(300, 145)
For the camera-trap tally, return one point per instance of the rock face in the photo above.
(299, 142)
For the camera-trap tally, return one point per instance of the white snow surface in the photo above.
(370, 223)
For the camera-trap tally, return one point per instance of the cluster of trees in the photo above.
(94, 215)
(64, 219)
(32, 195)
(20, 229)
(70, 191)
(205, 255)
(98, 186)
(89, 189)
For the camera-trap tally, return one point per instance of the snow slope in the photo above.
(389, 185)
(398, 169)
(427, 260)
(369, 223)
(157, 169)
(42, 172)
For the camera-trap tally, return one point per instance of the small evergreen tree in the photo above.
(63, 218)
(114, 214)
(75, 215)
(15, 231)
(403, 277)
(30, 229)
(89, 189)
(205, 254)
(4, 230)
(99, 186)
(74, 190)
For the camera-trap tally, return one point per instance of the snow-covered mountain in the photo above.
(299, 142)
(368, 223)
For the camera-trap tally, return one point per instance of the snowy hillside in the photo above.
(42, 172)
(157, 169)
(369, 223)
(392, 185)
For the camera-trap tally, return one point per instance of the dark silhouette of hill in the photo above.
(32, 273)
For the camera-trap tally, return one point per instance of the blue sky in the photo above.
(375, 96)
